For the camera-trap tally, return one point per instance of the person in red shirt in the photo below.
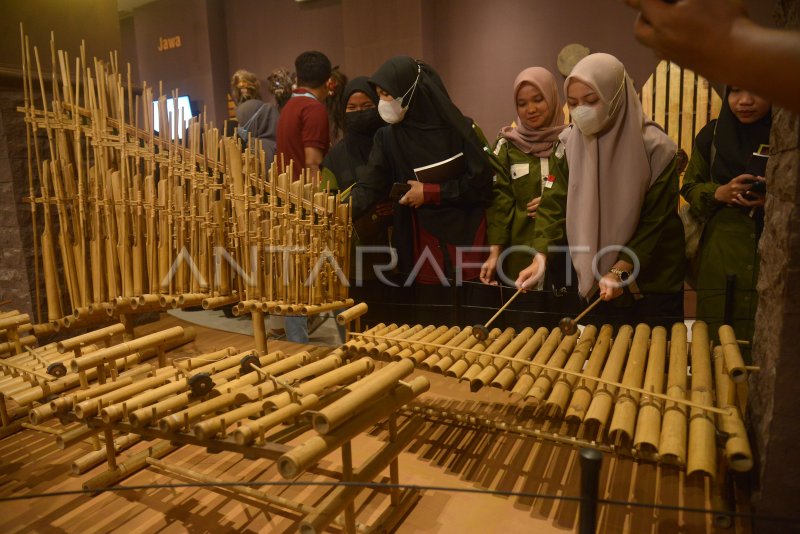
(303, 135)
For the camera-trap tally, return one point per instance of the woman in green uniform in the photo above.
(617, 211)
(525, 153)
(718, 186)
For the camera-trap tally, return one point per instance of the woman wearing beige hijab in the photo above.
(525, 154)
(617, 211)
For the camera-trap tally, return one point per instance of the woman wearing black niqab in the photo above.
(427, 128)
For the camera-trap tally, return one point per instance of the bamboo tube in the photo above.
(133, 464)
(336, 500)
(480, 361)
(25, 341)
(563, 384)
(737, 446)
(544, 381)
(90, 337)
(190, 299)
(412, 335)
(465, 355)
(366, 392)
(493, 367)
(115, 412)
(74, 436)
(352, 313)
(423, 351)
(526, 380)
(603, 398)
(623, 421)
(216, 302)
(65, 403)
(14, 321)
(319, 308)
(672, 444)
(353, 346)
(416, 348)
(438, 352)
(374, 349)
(648, 424)
(91, 407)
(95, 458)
(250, 430)
(341, 376)
(509, 373)
(702, 433)
(316, 368)
(297, 460)
(443, 354)
(117, 351)
(733, 357)
(278, 367)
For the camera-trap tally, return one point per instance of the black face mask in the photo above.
(364, 122)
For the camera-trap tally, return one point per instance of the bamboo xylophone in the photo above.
(634, 390)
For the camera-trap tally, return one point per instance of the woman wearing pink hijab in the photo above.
(617, 210)
(525, 154)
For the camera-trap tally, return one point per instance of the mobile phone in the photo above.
(398, 190)
(758, 186)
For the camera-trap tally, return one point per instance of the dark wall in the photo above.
(198, 66)
(266, 34)
(95, 21)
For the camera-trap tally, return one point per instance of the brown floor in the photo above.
(441, 455)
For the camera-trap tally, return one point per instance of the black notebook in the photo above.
(441, 171)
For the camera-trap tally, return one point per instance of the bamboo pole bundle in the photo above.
(702, 441)
(493, 367)
(544, 381)
(314, 368)
(526, 380)
(737, 447)
(563, 384)
(648, 424)
(415, 333)
(93, 406)
(297, 460)
(626, 407)
(374, 349)
(361, 394)
(103, 334)
(603, 398)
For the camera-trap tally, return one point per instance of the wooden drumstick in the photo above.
(481, 331)
(569, 325)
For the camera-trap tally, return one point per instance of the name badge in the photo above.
(519, 170)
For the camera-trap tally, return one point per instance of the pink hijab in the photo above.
(610, 173)
(537, 142)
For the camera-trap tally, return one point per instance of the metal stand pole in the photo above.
(591, 461)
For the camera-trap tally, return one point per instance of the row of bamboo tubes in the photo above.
(130, 220)
(631, 389)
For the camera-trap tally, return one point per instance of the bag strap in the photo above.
(252, 118)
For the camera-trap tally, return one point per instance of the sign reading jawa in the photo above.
(168, 43)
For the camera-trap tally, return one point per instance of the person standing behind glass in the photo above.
(721, 192)
(525, 152)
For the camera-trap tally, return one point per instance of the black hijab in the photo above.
(734, 142)
(433, 128)
(359, 130)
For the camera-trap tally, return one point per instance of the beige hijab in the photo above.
(538, 142)
(610, 173)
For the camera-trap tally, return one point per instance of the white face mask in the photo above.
(393, 111)
(592, 119)
(589, 119)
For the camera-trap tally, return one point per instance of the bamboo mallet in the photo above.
(481, 331)
(569, 326)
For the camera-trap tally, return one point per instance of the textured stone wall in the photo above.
(775, 391)
(16, 237)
